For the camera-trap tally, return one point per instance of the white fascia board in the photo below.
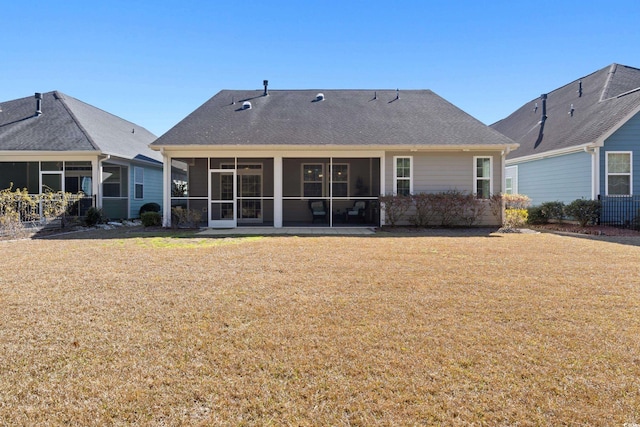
(552, 153)
(332, 148)
(34, 156)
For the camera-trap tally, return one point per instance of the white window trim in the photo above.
(630, 174)
(395, 174)
(514, 178)
(322, 180)
(137, 173)
(476, 177)
(331, 181)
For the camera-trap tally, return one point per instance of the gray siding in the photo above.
(627, 138)
(152, 189)
(443, 171)
(562, 178)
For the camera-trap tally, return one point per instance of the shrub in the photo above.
(472, 209)
(395, 207)
(536, 216)
(515, 218)
(424, 214)
(553, 210)
(448, 206)
(584, 211)
(94, 216)
(516, 201)
(151, 219)
(149, 207)
(185, 218)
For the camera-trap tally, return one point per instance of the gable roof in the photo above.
(68, 124)
(342, 118)
(609, 97)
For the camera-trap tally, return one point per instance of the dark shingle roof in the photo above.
(343, 118)
(609, 96)
(68, 124)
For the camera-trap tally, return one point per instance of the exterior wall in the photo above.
(627, 138)
(562, 178)
(152, 188)
(442, 171)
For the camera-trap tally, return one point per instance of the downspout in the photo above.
(594, 170)
(503, 168)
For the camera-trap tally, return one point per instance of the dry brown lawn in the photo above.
(463, 330)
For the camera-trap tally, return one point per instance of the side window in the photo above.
(482, 171)
(619, 172)
(111, 183)
(138, 177)
(403, 175)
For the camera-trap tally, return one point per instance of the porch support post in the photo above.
(277, 191)
(383, 189)
(96, 179)
(166, 190)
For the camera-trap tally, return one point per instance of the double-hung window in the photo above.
(482, 177)
(403, 175)
(138, 177)
(619, 173)
(312, 179)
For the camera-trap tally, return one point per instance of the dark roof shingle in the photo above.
(609, 96)
(343, 118)
(68, 124)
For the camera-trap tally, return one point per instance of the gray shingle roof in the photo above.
(609, 96)
(343, 118)
(68, 124)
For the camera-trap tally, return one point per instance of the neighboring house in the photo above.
(297, 157)
(56, 142)
(581, 140)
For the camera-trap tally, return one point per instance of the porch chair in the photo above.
(358, 211)
(318, 210)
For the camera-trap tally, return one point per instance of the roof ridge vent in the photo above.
(320, 96)
(246, 105)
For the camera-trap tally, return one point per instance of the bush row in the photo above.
(584, 211)
(445, 209)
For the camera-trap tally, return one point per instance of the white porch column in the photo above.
(383, 189)
(277, 191)
(96, 180)
(166, 189)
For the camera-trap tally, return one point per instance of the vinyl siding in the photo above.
(627, 138)
(152, 189)
(443, 171)
(562, 178)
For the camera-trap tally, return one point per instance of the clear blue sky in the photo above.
(153, 62)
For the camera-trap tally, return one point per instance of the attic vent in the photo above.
(580, 89)
(571, 110)
(246, 105)
(320, 97)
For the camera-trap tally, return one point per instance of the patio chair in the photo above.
(318, 210)
(358, 211)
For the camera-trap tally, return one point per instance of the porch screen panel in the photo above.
(21, 174)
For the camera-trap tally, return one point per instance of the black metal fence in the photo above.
(620, 211)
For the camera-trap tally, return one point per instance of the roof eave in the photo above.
(337, 147)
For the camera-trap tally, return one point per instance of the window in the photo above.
(114, 181)
(340, 180)
(619, 172)
(312, 179)
(508, 187)
(482, 177)
(403, 175)
(138, 179)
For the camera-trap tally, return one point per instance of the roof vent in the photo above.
(580, 89)
(571, 110)
(265, 83)
(544, 108)
(38, 104)
(246, 105)
(320, 97)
